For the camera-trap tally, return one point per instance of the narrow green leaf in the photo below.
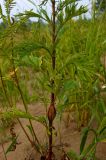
(87, 150)
(30, 14)
(102, 125)
(30, 129)
(84, 138)
(102, 130)
(46, 15)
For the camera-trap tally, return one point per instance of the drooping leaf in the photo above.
(42, 11)
(15, 113)
(101, 106)
(102, 125)
(31, 14)
(84, 138)
(87, 150)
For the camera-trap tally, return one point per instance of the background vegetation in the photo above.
(80, 76)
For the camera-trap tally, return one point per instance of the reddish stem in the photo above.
(52, 82)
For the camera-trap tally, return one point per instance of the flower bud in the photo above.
(51, 113)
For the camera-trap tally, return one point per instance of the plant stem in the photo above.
(25, 132)
(24, 103)
(20, 91)
(52, 81)
(53, 34)
(6, 95)
(4, 88)
(4, 151)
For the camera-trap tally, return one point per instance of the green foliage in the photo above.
(84, 138)
(9, 5)
(79, 45)
(73, 155)
(11, 146)
(101, 5)
(88, 151)
(15, 113)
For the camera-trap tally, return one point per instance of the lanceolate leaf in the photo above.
(102, 125)
(16, 113)
(83, 150)
(84, 138)
(42, 11)
(102, 130)
(31, 14)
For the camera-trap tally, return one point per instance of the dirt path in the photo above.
(70, 137)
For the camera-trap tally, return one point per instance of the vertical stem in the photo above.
(53, 34)
(93, 10)
(25, 132)
(4, 151)
(52, 81)
(22, 97)
(4, 89)
(7, 98)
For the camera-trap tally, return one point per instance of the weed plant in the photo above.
(57, 64)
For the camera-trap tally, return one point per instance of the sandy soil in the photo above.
(70, 137)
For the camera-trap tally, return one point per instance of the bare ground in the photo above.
(70, 137)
